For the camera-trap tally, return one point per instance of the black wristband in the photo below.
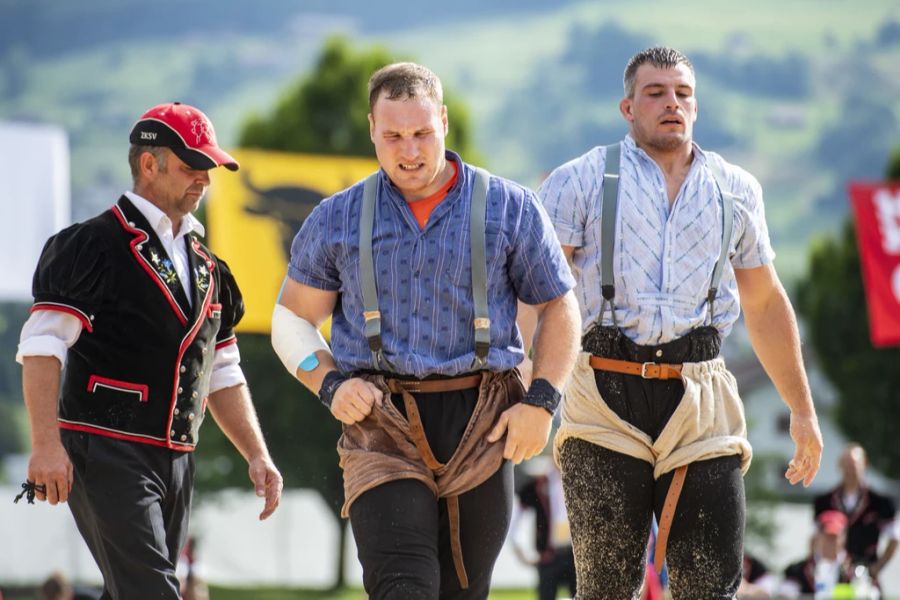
(330, 384)
(542, 393)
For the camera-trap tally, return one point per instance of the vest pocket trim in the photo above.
(142, 390)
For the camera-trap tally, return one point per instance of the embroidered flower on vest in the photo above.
(164, 267)
(201, 277)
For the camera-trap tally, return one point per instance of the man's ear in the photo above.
(371, 128)
(625, 109)
(444, 118)
(148, 165)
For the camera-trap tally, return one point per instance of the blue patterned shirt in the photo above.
(424, 277)
(664, 257)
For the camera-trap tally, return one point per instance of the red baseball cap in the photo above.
(186, 131)
(833, 522)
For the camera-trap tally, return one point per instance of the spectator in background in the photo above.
(870, 515)
(56, 587)
(828, 563)
(555, 561)
(756, 580)
(189, 572)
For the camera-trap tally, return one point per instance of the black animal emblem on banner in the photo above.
(287, 205)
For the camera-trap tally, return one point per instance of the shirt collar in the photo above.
(629, 144)
(161, 222)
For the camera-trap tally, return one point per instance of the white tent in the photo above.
(35, 196)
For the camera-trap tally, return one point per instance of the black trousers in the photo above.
(402, 531)
(611, 497)
(131, 503)
(555, 573)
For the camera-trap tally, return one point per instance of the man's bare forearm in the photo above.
(556, 340)
(776, 340)
(233, 411)
(40, 386)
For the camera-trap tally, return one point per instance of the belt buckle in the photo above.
(644, 367)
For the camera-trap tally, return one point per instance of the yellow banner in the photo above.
(254, 214)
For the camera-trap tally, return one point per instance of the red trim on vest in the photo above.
(143, 236)
(129, 437)
(226, 342)
(142, 390)
(214, 310)
(65, 308)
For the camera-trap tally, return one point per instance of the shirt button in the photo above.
(172, 433)
(176, 412)
(180, 390)
(182, 369)
(191, 417)
(203, 350)
(658, 353)
(193, 394)
(183, 438)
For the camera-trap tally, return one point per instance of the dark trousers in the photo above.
(402, 531)
(131, 503)
(557, 572)
(611, 498)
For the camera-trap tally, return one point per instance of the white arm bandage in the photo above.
(295, 339)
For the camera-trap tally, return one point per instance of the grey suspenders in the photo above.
(479, 270)
(608, 233)
(727, 223)
(479, 267)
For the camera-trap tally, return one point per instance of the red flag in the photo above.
(877, 210)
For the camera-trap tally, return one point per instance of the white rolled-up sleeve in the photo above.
(226, 370)
(48, 333)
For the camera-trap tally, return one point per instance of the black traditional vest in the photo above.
(140, 370)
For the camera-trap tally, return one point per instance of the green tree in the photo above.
(325, 112)
(832, 301)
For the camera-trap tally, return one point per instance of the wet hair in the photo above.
(659, 57)
(134, 158)
(405, 80)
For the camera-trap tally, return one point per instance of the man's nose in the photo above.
(672, 100)
(409, 148)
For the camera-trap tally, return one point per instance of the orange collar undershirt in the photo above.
(422, 208)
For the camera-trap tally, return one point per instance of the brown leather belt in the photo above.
(406, 388)
(429, 386)
(647, 370)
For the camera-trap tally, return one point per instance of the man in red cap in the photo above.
(827, 565)
(142, 317)
(871, 516)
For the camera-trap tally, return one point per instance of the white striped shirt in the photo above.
(663, 257)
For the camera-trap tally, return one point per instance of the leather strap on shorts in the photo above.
(406, 388)
(665, 519)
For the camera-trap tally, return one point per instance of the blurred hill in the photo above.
(802, 94)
